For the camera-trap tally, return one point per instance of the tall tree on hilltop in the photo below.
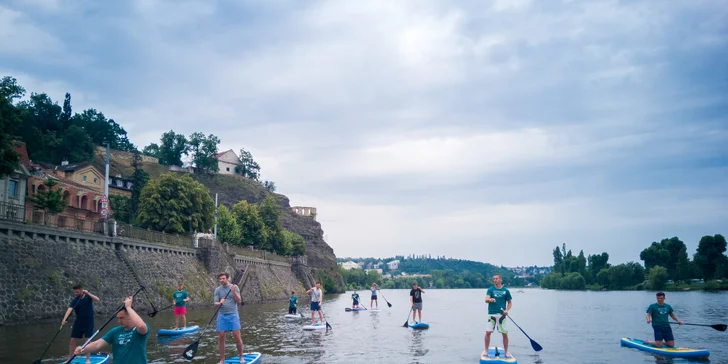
(9, 118)
(270, 186)
(203, 151)
(41, 128)
(66, 113)
(248, 166)
(102, 130)
(76, 145)
(709, 256)
(172, 147)
(152, 150)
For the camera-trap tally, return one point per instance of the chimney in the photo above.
(64, 162)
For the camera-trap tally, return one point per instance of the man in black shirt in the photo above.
(416, 301)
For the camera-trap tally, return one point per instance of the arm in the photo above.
(134, 317)
(649, 317)
(236, 293)
(93, 346)
(672, 314)
(422, 290)
(65, 317)
(508, 307)
(94, 298)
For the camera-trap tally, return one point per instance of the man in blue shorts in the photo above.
(657, 314)
(316, 301)
(374, 288)
(83, 326)
(228, 318)
(499, 302)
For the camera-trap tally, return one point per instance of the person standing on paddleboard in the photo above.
(228, 318)
(316, 301)
(355, 299)
(292, 300)
(181, 297)
(657, 314)
(128, 340)
(83, 326)
(497, 297)
(374, 289)
(416, 301)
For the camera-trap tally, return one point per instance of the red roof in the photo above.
(19, 147)
(218, 155)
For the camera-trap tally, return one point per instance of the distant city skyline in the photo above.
(491, 131)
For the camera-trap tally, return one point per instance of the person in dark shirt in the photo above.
(657, 315)
(416, 301)
(83, 305)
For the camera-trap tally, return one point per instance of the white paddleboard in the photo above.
(315, 327)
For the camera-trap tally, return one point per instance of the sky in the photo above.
(483, 130)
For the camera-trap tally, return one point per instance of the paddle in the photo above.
(385, 299)
(534, 344)
(54, 337)
(102, 327)
(191, 350)
(406, 323)
(170, 306)
(719, 327)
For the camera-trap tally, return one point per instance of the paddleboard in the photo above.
(96, 358)
(290, 316)
(419, 326)
(496, 355)
(375, 310)
(179, 331)
(671, 352)
(315, 327)
(355, 309)
(249, 358)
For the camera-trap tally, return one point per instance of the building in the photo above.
(13, 187)
(350, 265)
(227, 162)
(393, 265)
(120, 186)
(305, 211)
(377, 270)
(83, 174)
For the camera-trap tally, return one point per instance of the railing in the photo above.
(12, 211)
(39, 217)
(260, 254)
(128, 231)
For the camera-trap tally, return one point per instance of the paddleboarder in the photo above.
(292, 301)
(657, 314)
(228, 318)
(355, 299)
(374, 289)
(83, 304)
(316, 301)
(497, 297)
(128, 340)
(181, 297)
(416, 301)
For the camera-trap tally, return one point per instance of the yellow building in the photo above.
(82, 173)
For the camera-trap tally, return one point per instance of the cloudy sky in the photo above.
(485, 130)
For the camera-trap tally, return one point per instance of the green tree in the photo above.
(598, 262)
(684, 269)
(120, 205)
(657, 277)
(172, 148)
(709, 255)
(76, 145)
(49, 199)
(139, 178)
(9, 118)
(152, 150)
(228, 230)
(67, 111)
(102, 130)
(248, 166)
(270, 186)
(175, 204)
(251, 225)
(203, 151)
(270, 214)
(41, 128)
(666, 253)
(559, 261)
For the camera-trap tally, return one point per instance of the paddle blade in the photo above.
(389, 304)
(328, 327)
(536, 346)
(719, 327)
(152, 314)
(191, 350)
(406, 323)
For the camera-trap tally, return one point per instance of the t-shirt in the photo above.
(230, 306)
(355, 297)
(128, 347)
(660, 314)
(292, 301)
(417, 295)
(501, 295)
(84, 310)
(374, 291)
(179, 298)
(315, 295)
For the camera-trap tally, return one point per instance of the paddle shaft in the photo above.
(385, 298)
(102, 327)
(534, 344)
(719, 327)
(406, 323)
(55, 336)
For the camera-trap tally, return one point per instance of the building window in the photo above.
(227, 169)
(13, 189)
(119, 182)
(128, 185)
(95, 180)
(84, 178)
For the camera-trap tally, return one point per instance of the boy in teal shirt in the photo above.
(657, 314)
(355, 299)
(180, 305)
(292, 300)
(128, 340)
(497, 297)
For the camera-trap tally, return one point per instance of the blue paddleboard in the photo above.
(96, 358)
(496, 355)
(665, 351)
(355, 309)
(179, 331)
(250, 358)
(419, 326)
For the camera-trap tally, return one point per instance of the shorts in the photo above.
(291, 310)
(417, 306)
(355, 303)
(374, 297)
(315, 306)
(496, 321)
(81, 330)
(663, 332)
(228, 322)
(181, 310)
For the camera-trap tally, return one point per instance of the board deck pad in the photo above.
(250, 358)
(491, 357)
(97, 358)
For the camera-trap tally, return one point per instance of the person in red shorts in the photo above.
(180, 306)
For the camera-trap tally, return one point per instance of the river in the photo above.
(572, 327)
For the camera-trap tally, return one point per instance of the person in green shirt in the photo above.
(657, 314)
(355, 299)
(181, 297)
(128, 340)
(292, 301)
(497, 297)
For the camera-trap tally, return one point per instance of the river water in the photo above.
(572, 327)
